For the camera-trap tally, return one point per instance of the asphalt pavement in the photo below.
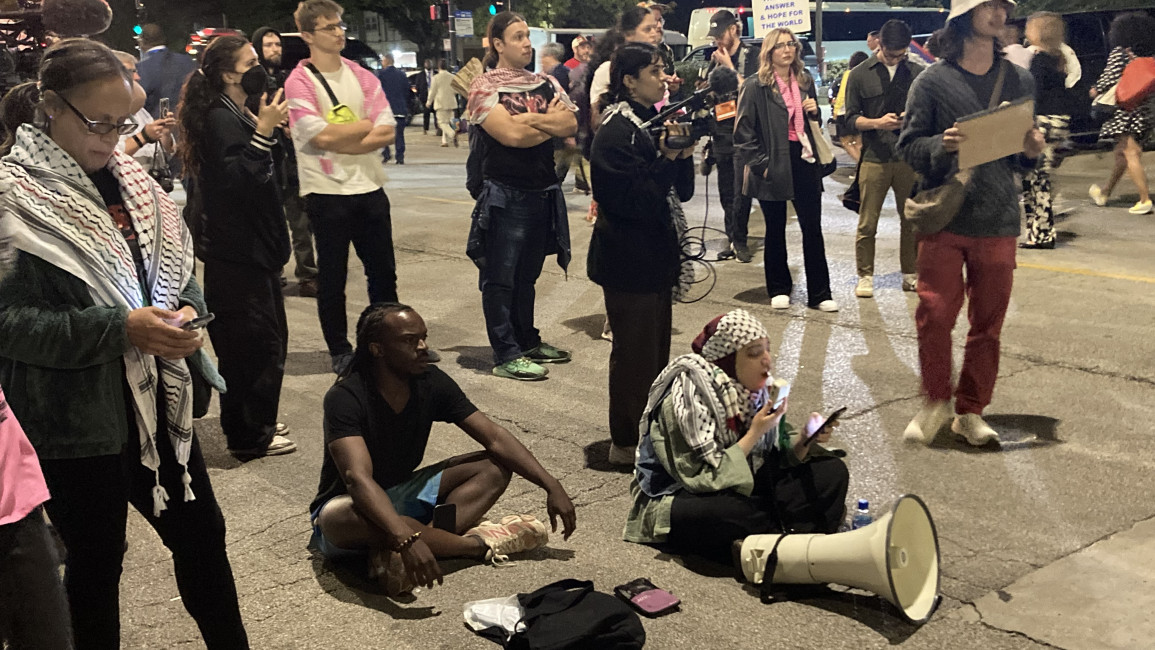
(1045, 542)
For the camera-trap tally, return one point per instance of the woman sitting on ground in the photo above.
(715, 463)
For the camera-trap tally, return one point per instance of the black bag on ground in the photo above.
(570, 615)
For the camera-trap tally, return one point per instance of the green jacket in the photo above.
(61, 361)
(649, 519)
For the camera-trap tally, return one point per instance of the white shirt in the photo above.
(601, 82)
(891, 69)
(145, 154)
(353, 173)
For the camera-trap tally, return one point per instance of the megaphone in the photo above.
(896, 557)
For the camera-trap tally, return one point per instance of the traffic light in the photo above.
(496, 8)
(136, 29)
(439, 12)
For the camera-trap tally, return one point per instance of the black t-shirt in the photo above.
(396, 441)
(984, 84)
(525, 169)
(109, 189)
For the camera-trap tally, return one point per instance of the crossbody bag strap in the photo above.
(997, 95)
(332, 97)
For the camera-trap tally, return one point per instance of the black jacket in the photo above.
(244, 218)
(635, 245)
(286, 167)
(761, 139)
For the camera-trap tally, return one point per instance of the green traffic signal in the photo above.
(136, 30)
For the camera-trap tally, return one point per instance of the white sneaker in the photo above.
(910, 282)
(865, 288)
(780, 301)
(827, 305)
(929, 420)
(972, 427)
(1097, 196)
(1142, 207)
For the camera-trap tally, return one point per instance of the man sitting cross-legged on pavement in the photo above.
(373, 500)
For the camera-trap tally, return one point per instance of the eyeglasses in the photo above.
(895, 55)
(332, 29)
(794, 44)
(126, 127)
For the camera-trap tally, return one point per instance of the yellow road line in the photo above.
(440, 200)
(1088, 272)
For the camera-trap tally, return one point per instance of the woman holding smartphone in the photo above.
(235, 156)
(715, 463)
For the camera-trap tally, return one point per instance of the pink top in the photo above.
(793, 98)
(22, 485)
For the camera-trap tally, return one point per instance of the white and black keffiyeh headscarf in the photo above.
(713, 408)
(53, 211)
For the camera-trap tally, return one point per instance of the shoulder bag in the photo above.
(340, 113)
(929, 211)
(1136, 84)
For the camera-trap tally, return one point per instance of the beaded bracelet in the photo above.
(409, 541)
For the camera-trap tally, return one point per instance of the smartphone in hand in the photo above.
(811, 435)
(164, 107)
(198, 322)
(778, 392)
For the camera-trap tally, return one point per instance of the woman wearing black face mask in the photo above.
(232, 156)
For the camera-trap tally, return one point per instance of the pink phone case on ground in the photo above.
(648, 599)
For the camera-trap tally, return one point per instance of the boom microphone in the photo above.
(76, 17)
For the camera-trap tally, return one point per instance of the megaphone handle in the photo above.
(764, 590)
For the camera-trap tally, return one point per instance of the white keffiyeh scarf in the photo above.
(56, 213)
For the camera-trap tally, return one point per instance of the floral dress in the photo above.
(1136, 123)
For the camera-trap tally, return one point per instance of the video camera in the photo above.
(697, 110)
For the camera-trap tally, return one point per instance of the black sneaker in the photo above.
(742, 253)
(546, 353)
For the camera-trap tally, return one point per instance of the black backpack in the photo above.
(570, 615)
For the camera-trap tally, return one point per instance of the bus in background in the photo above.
(844, 24)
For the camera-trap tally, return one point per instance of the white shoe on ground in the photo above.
(781, 301)
(929, 420)
(1142, 207)
(972, 427)
(910, 282)
(827, 305)
(865, 288)
(1097, 196)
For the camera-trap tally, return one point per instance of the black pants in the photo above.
(809, 498)
(88, 508)
(430, 113)
(808, 205)
(306, 268)
(33, 608)
(362, 220)
(251, 339)
(641, 323)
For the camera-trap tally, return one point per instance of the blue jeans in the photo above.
(399, 139)
(337, 221)
(515, 250)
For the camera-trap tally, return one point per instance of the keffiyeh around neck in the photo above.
(53, 211)
(712, 407)
(485, 91)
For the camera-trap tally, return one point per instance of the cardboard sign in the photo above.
(771, 14)
(995, 133)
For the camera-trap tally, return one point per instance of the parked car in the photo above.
(200, 39)
(294, 49)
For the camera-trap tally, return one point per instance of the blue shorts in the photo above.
(414, 497)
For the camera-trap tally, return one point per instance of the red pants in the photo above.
(990, 264)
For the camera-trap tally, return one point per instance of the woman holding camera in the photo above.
(635, 251)
(717, 462)
(773, 141)
(234, 156)
(93, 358)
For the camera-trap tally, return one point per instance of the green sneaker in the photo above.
(546, 353)
(521, 369)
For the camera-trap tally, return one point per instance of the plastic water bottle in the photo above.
(861, 517)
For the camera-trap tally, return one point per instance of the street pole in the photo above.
(818, 38)
(452, 51)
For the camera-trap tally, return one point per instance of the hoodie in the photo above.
(287, 168)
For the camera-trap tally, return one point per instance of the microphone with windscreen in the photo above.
(697, 109)
(76, 17)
